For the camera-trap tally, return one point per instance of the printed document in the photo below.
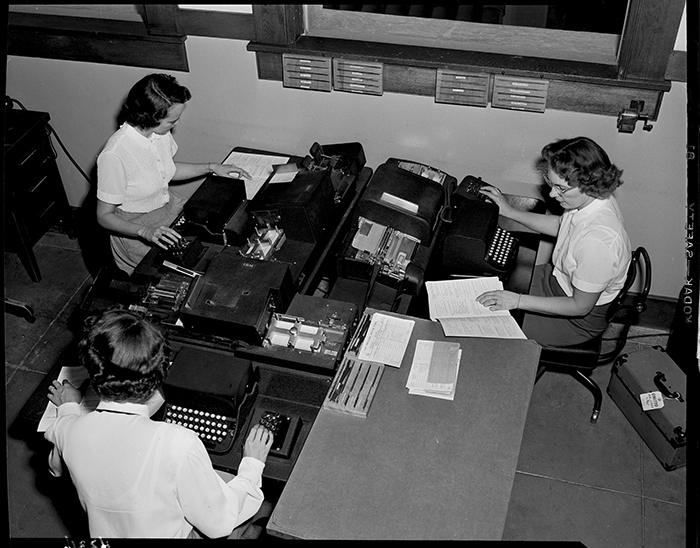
(434, 369)
(386, 340)
(258, 165)
(453, 303)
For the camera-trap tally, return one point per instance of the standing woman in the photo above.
(570, 295)
(136, 167)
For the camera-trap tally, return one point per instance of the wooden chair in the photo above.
(580, 360)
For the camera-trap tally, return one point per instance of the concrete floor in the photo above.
(597, 484)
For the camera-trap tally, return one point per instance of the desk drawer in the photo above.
(30, 160)
(38, 197)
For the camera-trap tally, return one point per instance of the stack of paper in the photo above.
(434, 369)
(453, 303)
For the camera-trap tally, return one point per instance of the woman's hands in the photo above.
(258, 443)
(229, 170)
(495, 195)
(162, 236)
(60, 393)
(499, 300)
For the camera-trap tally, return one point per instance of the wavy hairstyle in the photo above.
(126, 356)
(582, 163)
(150, 99)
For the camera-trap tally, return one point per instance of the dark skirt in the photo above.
(556, 330)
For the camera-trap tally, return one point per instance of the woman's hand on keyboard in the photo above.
(496, 196)
(258, 443)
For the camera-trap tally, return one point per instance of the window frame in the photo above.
(639, 72)
(461, 35)
(158, 41)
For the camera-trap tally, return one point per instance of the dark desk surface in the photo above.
(417, 467)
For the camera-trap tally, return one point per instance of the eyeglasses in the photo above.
(558, 189)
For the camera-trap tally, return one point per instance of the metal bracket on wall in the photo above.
(628, 118)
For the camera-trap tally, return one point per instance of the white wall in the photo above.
(231, 107)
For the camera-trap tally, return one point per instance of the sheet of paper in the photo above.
(498, 327)
(457, 298)
(368, 236)
(386, 340)
(258, 165)
(282, 178)
(434, 369)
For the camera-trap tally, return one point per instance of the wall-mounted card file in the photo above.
(462, 88)
(518, 93)
(306, 72)
(358, 77)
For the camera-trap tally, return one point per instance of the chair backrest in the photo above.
(626, 307)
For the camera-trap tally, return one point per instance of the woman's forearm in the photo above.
(571, 307)
(544, 224)
(186, 170)
(113, 223)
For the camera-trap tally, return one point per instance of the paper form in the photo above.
(434, 369)
(368, 236)
(453, 303)
(258, 165)
(386, 340)
(501, 327)
(457, 298)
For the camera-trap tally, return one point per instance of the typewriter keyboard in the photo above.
(217, 432)
(501, 248)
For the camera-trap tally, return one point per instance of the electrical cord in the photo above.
(50, 130)
(446, 213)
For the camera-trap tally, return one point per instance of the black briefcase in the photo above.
(650, 390)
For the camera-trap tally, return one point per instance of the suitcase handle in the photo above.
(659, 381)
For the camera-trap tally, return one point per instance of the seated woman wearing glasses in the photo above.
(569, 296)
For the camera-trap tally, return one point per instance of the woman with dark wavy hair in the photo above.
(136, 168)
(569, 296)
(136, 477)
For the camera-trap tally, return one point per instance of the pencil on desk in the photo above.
(372, 387)
(358, 333)
(340, 385)
(359, 391)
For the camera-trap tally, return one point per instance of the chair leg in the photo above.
(595, 390)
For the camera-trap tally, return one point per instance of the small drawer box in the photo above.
(306, 72)
(358, 77)
(517, 93)
(662, 429)
(462, 88)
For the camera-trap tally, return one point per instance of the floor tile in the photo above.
(658, 483)
(62, 277)
(560, 441)
(547, 510)
(664, 524)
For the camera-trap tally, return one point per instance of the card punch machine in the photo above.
(395, 223)
(220, 212)
(251, 299)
